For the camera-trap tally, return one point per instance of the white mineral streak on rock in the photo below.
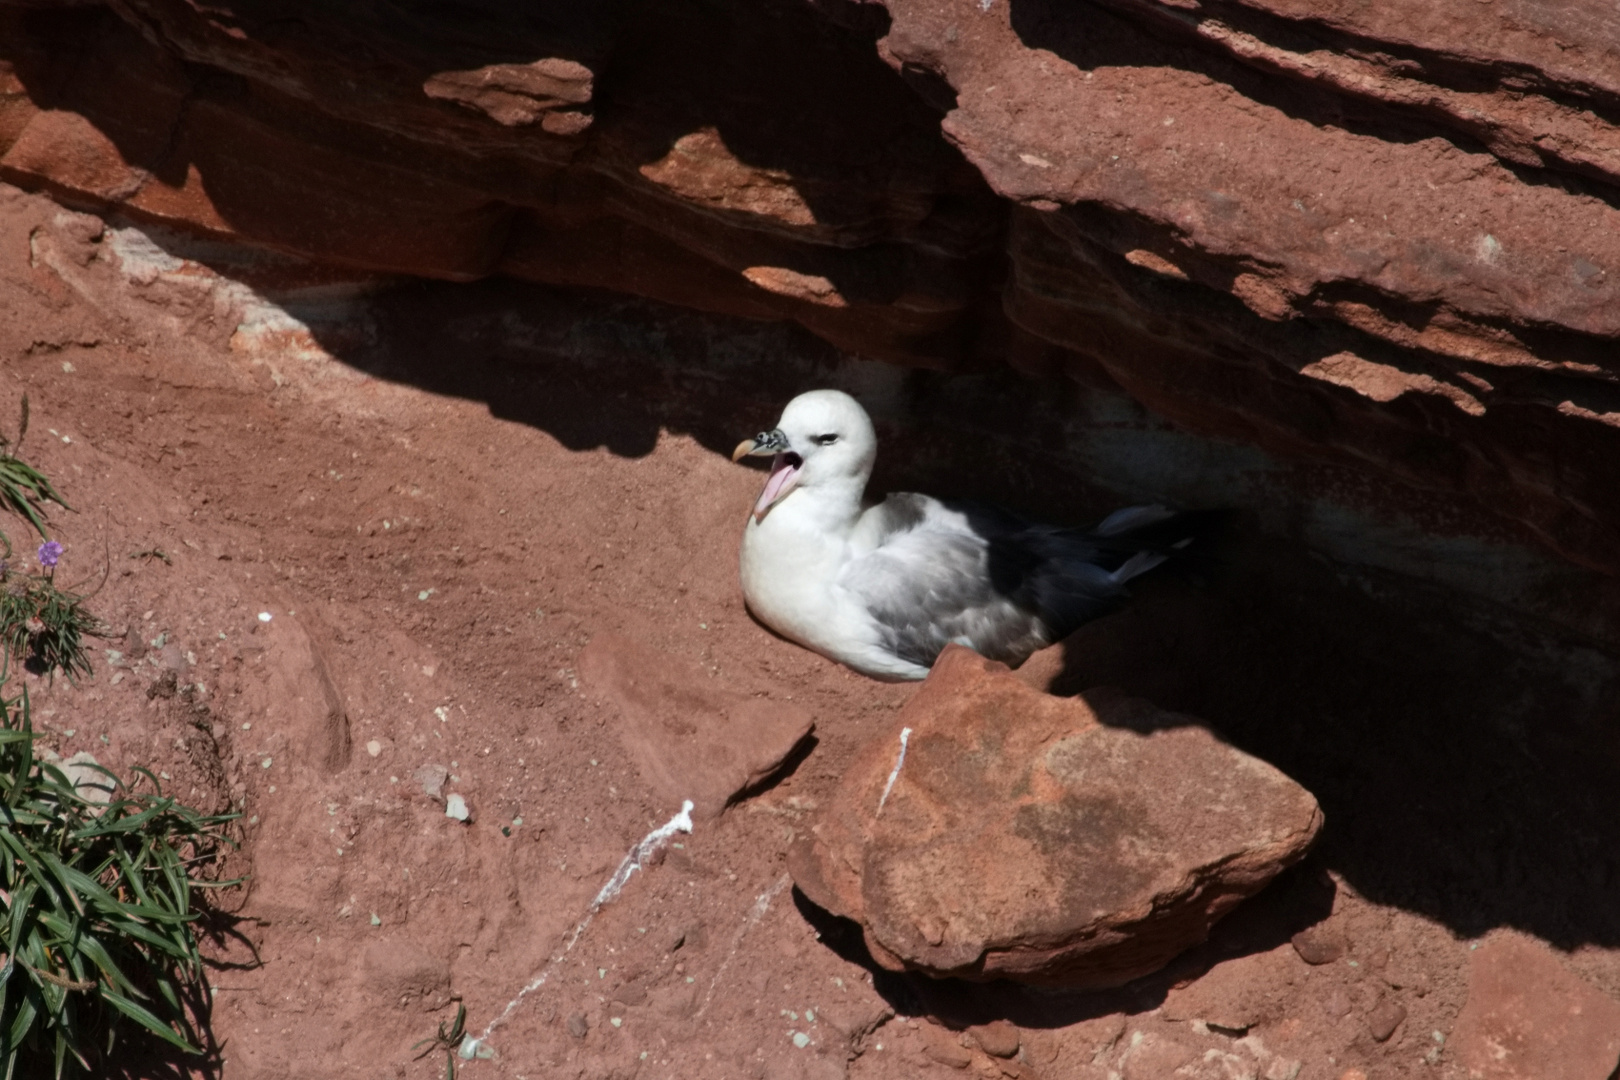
(905, 737)
(681, 823)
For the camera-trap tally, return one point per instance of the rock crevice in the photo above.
(1384, 235)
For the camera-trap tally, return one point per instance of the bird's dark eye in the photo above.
(825, 440)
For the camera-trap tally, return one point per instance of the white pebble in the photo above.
(373, 747)
(456, 807)
(264, 616)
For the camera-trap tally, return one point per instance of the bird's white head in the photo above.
(824, 441)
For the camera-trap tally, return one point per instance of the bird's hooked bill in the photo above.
(785, 467)
(766, 442)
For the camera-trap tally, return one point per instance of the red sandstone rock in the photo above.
(1382, 234)
(1384, 1018)
(1320, 945)
(1529, 1018)
(997, 1038)
(1229, 230)
(1239, 993)
(690, 737)
(1077, 842)
(295, 694)
(945, 1047)
(695, 180)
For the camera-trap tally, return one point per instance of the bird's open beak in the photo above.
(785, 467)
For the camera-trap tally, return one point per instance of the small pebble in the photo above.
(373, 747)
(264, 616)
(616, 1021)
(456, 807)
(1320, 945)
(801, 1040)
(265, 763)
(999, 1038)
(1384, 1019)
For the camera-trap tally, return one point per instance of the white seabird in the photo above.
(884, 588)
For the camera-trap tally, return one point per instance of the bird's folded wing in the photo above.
(929, 579)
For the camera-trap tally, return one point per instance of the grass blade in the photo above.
(144, 1018)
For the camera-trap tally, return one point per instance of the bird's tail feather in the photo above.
(1137, 564)
(1131, 519)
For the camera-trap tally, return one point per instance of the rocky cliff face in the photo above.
(1381, 233)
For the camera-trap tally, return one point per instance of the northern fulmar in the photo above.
(884, 588)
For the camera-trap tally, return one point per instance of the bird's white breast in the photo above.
(790, 566)
(788, 569)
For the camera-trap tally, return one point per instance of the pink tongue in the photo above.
(779, 484)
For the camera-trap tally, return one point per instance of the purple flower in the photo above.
(49, 552)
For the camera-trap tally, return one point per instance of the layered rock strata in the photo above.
(1382, 234)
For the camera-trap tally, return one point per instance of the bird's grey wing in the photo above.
(943, 571)
(931, 577)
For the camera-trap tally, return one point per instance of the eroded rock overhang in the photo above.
(1384, 235)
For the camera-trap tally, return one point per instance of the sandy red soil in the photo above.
(438, 505)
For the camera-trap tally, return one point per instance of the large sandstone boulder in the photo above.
(1080, 842)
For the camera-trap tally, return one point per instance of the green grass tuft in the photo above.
(448, 1039)
(45, 624)
(38, 621)
(97, 936)
(23, 488)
